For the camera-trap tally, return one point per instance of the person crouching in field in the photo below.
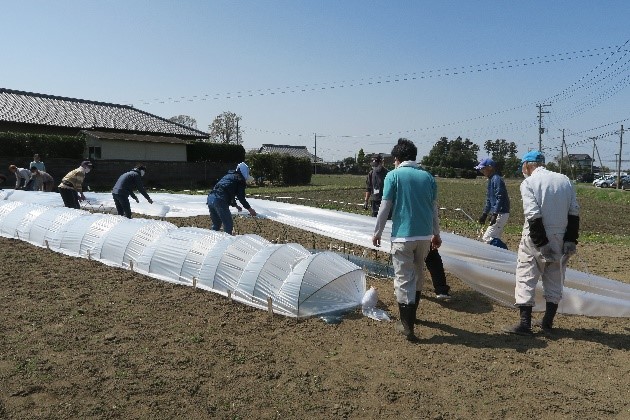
(224, 194)
(497, 204)
(124, 187)
(22, 176)
(71, 187)
(41, 181)
(550, 234)
(411, 194)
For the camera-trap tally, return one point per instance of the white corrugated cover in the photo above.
(248, 267)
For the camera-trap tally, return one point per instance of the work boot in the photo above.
(546, 324)
(525, 326)
(415, 307)
(407, 318)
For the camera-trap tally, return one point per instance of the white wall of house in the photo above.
(139, 150)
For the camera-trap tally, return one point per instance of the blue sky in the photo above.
(359, 74)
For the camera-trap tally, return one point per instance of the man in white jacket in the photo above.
(549, 238)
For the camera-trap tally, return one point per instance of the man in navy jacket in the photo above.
(124, 187)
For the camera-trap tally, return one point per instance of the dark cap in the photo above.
(86, 163)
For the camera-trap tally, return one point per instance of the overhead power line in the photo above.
(378, 80)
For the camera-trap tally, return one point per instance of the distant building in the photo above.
(295, 151)
(113, 132)
(580, 160)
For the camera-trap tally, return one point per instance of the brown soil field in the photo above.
(81, 340)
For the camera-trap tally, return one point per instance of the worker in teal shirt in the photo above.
(410, 193)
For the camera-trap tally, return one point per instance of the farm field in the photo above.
(82, 340)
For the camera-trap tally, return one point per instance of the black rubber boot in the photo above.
(407, 318)
(415, 307)
(546, 324)
(525, 326)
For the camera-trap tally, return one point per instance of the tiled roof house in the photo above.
(113, 131)
(296, 151)
(581, 160)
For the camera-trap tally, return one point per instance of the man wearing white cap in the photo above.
(497, 204)
(225, 193)
(550, 234)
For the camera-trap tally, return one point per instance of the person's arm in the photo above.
(572, 232)
(533, 217)
(387, 202)
(240, 195)
(141, 190)
(486, 208)
(381, 220)
(436, 220)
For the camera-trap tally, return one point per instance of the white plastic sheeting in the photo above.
(249, 268)
(487, 269)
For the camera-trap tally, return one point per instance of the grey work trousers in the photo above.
(408, 261)
(531, 266)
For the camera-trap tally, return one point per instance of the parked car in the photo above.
(625, 182)
(604, 182)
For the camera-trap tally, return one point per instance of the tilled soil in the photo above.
(79, 339)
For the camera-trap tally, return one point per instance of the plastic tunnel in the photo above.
(249, 268)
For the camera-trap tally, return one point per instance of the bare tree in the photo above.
(224, 129)
(184, 120)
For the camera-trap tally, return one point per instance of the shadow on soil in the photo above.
(497, 340)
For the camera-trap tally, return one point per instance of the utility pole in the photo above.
(594, 147)
(315, 169)
(619, 162)
(562, 152)
(541, 130)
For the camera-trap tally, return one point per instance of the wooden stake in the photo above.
(229, 294)
(194, 282)
(46, 242)
(270, 308)
(88, 255)
(131, 265)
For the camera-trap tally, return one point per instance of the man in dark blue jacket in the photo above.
(224, 194)
(497, 204)
(124, 187)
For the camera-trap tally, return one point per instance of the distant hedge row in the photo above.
(215, 152)
(280, 169)
(446, 172)
(46, 145)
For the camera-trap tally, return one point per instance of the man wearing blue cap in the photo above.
(549, 238)
(497, 204)
(224, 194)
